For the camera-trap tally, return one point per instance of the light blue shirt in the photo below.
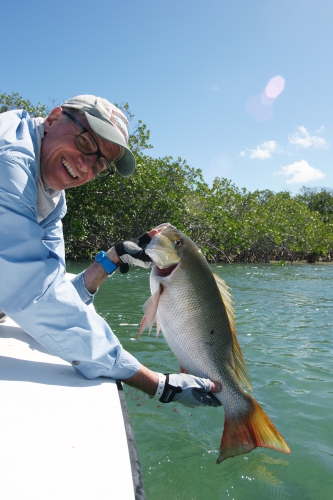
(33, 289)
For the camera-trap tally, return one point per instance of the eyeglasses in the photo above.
(87, 145)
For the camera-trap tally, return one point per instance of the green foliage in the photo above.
(15, 101)
(319, 200)
(263, 225)
(103, 212)
(226, 222)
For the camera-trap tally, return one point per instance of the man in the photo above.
(39, 159)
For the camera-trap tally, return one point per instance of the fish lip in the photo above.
(165, 271)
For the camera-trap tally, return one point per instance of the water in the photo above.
(285, 324)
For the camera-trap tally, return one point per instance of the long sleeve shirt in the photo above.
(33, 289)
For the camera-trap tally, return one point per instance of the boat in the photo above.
(62, 436)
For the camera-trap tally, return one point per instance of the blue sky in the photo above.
(241, 89)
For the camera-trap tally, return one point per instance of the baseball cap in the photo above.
(110, 123)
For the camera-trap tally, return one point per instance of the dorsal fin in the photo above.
(240, 365)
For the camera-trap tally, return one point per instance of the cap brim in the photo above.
(126, 165)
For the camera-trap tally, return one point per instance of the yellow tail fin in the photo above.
(244, 432)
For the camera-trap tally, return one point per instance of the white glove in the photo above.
(131, 252)
(188, 390)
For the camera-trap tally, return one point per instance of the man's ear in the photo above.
(54, 117)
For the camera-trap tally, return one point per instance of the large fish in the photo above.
(194, 310)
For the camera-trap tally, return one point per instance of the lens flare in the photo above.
(261, 107)
(274, 87)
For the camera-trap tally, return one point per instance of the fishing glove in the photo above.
(189, 390)
(131, 252)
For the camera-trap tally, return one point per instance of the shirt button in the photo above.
(75, 362)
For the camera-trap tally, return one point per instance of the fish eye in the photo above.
(179, 243)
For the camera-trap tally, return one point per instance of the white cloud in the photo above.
(304, 139)
(264, 151)
(300, 172)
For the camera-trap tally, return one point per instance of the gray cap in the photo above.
(107, 121)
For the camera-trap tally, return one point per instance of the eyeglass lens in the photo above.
(87, 145)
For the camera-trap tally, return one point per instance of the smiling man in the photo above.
(84, 138)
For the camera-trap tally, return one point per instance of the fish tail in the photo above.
(244, 432)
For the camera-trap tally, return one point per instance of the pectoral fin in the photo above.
(150, 311)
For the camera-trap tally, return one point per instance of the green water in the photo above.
(285, 325)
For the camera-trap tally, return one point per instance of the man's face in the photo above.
(62, 165)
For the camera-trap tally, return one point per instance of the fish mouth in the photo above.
(166, 271)
(162, 252)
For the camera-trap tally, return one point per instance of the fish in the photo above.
(194, 309)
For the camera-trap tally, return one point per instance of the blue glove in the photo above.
(188, 390)
(131, 252)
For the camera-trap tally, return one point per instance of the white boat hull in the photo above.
(62, 436)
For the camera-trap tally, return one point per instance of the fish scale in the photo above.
(194, 310)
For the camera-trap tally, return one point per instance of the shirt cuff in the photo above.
(85, 295)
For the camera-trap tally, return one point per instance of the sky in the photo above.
(239, 89)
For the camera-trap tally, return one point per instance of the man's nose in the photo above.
(85, 163)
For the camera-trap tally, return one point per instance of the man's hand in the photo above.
(189, 390)
(183, 388)
(132, 252)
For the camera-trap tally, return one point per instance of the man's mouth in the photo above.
(69, 169)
